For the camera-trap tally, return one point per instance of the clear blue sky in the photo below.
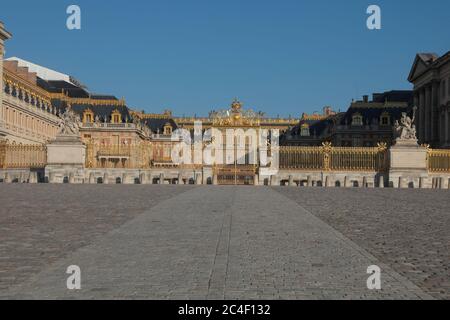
(281, 57)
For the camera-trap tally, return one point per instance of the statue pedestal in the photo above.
(408, 165)
(66, 159)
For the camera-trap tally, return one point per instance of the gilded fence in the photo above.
(439, 161)
(18, 156)
(329, 158)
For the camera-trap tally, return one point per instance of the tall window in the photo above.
(384, 120)
(305, 131)
(357, 120)
(167, 129)
(116, 117)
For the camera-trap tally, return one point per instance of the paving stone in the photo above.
(167, 242)
(407, 229)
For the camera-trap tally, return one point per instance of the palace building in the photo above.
(365, 123)
(430, 75)
(54, 129)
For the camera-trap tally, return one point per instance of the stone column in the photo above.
(400, 183)
(422, 115)
(33, 177)
(326, 183)
(381, 181)
(161, 178)
(198, 178)
(274, 180)
(291, 181)
(427, 125)
(435, 94)
(446, 133)
(364, 182)
(142, 178)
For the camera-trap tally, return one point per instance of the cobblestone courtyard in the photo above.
(186, 242)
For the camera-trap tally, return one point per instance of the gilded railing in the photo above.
(439, 160)
(329, 158)
(18, 156)
(303, 158)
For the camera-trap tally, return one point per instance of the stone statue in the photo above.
(406, 129)
(69, 123)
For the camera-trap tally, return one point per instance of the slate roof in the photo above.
(157, 125)
(372, 115)
(317, 129)
(392, 102)
(394, 96)
(103, 112)
(58, 86)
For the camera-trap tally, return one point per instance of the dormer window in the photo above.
(357, 120)
(116, 117)
(167, 129)
(305, 130)
(88, 116)
(385, 119)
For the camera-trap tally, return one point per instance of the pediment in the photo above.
(421, 65)
(418, 68)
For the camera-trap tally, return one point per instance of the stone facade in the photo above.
(430, 75)
(4, 35)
